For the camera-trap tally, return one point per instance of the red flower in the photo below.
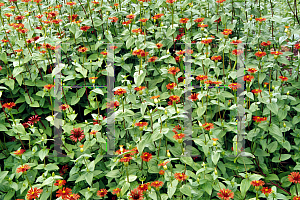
(143, 187)
(283, 78)
(204, 25)
(296, 198)
(178, 136)
(34, 119)
(199, 20)
(82, 49)
(63, 193)
(113, 19)
(184, 20)
(256, 91)
(267, 190)
(64, 107)
(227, 32)
(277, 53)
(146, 156)
(19, 152)
(248, 78)
(173, 70)
(141, 124)
(174, 98)
(152, 59)
(136, 194)
(259, 119)
(34, 193)
(126, 23)
(102, 192)
(85, 28)
(260, 19)
(220, 1)
(226, 194)
(157, 184)
(177, 58)
(208, 126)
(60, 182)
(164, 163)
(131, 16)
(201, 77)
(77, 134)
(237, 52)
(180, 79)
(171, 86)
(180, 176)
(176, 128)
(72, 197)
(63, 170)
(252, 70)
(216, 58)
(159, 45)
(264, 44)
(294, 177)
(236, 42)
(234, 86)
(9, 105)
(206, 41)
(297, 46)
(120, 91)
(194, 97)
(139, 88)
(260, 54)
(257, 183)
(116, 191)
(23, 168)
(48, 87)
(161, 172)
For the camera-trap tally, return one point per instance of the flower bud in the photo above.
(166, 112)
(214, 143)
(179, 141)
(155, 100)
(168, 154)
(284, 125)
(198, 180)
(75, 61)
(165, 167)
(53, 174)
(273, 87)
(288, 93)
(178, 111)
(81, 150)
(216, 172)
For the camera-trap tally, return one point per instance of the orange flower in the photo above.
(202, 25)
(237, 52)
(161, 172)
(131, 16)
(152, 59)
(256, 91)
(143, 20)
(180, 176)
(206, 41)
(23, 168)
(116, 191)
(71, 3)
(297, 46)
(173, 70)
(194, 97)
(259, 119)
(155, 97)
(120, 91)
(19, 152)
(252, 70)
(48, 87)
(277, 53)
(34, 193)
(159, 45)
(146, 156)
(216, 58)
(260, 19)
(199, 20)
(143, 187)
(283, 78)
(139, 88)
(234, 86)
(9, 105)
(171, 86)
(208, 126)
(113, 19)
(236, 42)
(296, 198)
(178, 136)
(266, 190)
(60, 182)
(85, 28)
(201, 77)
(184, 20)
(174, 98)
(294, 177)
(225, 194)
(260, 54)
(157, 184)
(141, 124)
(82, 49)
(257, 183)
(170, 1)
(264, 44)
(248, 78)
(227, 32)
(102, 192)
(164, 163)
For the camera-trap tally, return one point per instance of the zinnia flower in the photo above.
(9, 105)
(48, 87)
(226, 194)
(116, 191)
(257, 183)
(234, 86)
(63, 193)
(267, 191)
(23, 168)
(60, 182)
(178, 136)
(256, 91)
(184, 20)
(157, 184)
(173, 70)
(102, 192)
(201, 77)
(180, 176)
(171, 86)
(294, 177)
(34, 119)
(146, 156)
(19, 152)
(64, 107)
(120, 91)
(77, 134)
(174, 98)
(82, 49)
(161, 172)
(283, 78)
(143, 187)
(194, 97)
(34, 193)
(72, 197)
(248, 78)
(260, 54)
(85, 28)
(216, 58)
(136, 194)
(208, 126)
(252, 70)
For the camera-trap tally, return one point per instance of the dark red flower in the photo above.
(136, 194)
(226, 194)
(34, 119)
(63, 193)
(77, 134)
(146, 156)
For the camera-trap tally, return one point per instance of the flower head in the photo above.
(19, 152)
(283, 78)
(48, 87)
(248, 78)
(34, 119)
(234, 86)
(294, 177)
(194, 96)
(9, 105)
(23, 168)
(77, 134)
(180, 176)
(146, 156)
(64, 192)
(64, 107)
(102, 192)
(171, 86)
(120, 91)
(136, 194)
(226, 194)
(173, 70)
(60, 182)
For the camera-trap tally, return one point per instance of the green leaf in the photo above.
(283, 157)
(215, 157)
(113, 174)
(82, 71)
(98, 91)
(109, 36)
(185, 189)
(170, 31)
(139, 78)
(3, 175)
(9, 195)
(129, 42)
(43, 153)
(78, 33)
(19, 128)
(245, 185)
(172, 189)
(51, 167)
(275, 132)
(89, 178)
(201, 111)
(10, 83)
(262, 76)
(125, 188)
(3, 57)
(272, 146)
(131, 178)
(36, 56)
(272, 177)
(17, 71)
(273, 107)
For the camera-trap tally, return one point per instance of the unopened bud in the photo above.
(288, 93)
(168, 154)
(284, 125)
